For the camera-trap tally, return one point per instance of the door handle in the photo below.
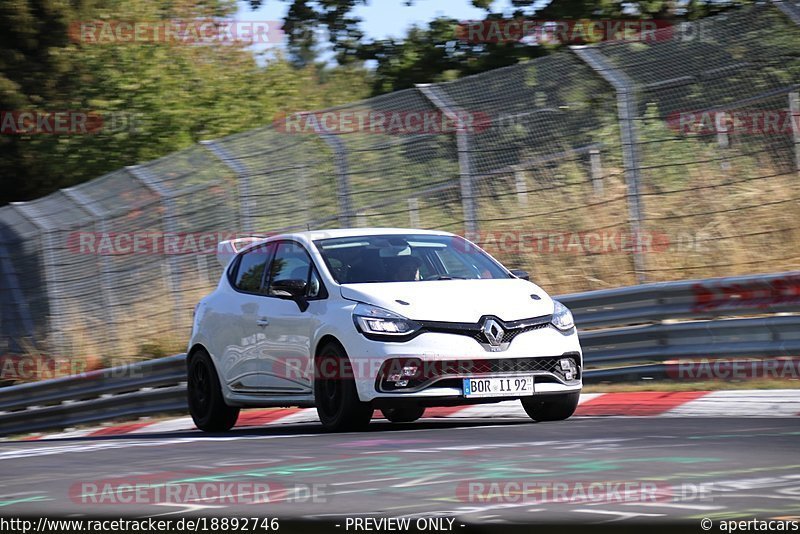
(262, 322)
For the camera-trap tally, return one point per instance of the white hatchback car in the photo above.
(355, 320)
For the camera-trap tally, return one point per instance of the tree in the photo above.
(436, 53)
(153, 97)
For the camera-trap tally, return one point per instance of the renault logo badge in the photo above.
(493, 332)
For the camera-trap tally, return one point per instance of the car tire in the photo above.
(336, 397)
(403, 414)
(551, 407)
(206, 403)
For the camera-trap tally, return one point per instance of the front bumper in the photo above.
(449, 373)
(447, 358)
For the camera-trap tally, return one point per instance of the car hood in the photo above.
(455, 300)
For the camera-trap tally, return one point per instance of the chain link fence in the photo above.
(591, 168)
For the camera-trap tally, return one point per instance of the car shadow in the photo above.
(295, 429)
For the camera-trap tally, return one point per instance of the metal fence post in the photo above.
(441, 102)
(50, 280)
(626, 110)
(790, 9)
(721, 123)
(149, 181)
(17, 300)
(794, 110)
(343, 194)
(521, 184)
(596, 170)
(247, 204)
(413, 212)
(106, 287)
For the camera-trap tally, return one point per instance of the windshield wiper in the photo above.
(444, 277)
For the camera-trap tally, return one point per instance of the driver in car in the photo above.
(406, 269)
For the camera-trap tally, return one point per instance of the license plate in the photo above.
(506, 386)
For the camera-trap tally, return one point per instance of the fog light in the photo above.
(568, 367)
(410, 370)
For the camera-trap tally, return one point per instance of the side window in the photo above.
(250, 273)
(314, 285)
(292, 262)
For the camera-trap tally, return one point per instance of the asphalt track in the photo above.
(703, 467)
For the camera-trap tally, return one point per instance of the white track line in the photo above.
(742, 403)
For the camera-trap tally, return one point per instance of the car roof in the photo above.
(314, 235)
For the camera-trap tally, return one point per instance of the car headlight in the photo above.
(374, 321)
(562, 317)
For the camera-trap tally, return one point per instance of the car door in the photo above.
(291, 329)
(241, 325)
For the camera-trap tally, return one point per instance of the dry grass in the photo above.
(151, 327)
(740, 216)
(701, 221)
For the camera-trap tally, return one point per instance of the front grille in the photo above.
(512, 365)
(511, 334)
(431, 371)
(511, 329)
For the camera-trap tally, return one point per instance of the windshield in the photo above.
(406, 258)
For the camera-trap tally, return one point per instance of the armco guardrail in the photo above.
(647, 323)
(714, 297)
(129, 391)
(112, 381)
(696, 370)
(767, 336)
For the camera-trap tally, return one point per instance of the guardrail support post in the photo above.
(440, 101)
(247, 205)
(626, 110)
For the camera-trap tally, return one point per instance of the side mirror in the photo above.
(291, 289)
(521, 274)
